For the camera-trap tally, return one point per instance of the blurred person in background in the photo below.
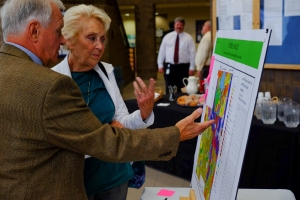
(204, 52)
(176, 57)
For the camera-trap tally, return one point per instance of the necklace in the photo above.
(88, 94)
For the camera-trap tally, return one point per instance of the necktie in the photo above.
(176, 50)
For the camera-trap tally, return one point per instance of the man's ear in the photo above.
(34, 29)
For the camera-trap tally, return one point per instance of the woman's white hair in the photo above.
(16, 14)
(74, 14)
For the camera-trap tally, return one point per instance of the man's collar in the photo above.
(34, 58)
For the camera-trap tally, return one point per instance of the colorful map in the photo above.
(210, 139)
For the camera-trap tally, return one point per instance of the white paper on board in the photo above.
(291, 8)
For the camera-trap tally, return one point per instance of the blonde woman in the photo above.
(85, 29)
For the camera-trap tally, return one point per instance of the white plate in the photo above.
(156, 95)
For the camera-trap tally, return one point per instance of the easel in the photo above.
(191, 197)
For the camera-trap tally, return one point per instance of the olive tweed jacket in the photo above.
(46, 128)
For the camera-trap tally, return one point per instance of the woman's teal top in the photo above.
(99, 175)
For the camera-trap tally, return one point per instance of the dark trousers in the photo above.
(177, 73)
(205, 71)
(116, 193)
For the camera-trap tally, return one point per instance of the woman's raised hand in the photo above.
(144, 96)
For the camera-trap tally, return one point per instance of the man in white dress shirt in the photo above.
(176, 62)
(204, 51)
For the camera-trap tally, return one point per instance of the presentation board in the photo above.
(237, 64)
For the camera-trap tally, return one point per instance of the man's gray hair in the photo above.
(180, 19)
(16, 14)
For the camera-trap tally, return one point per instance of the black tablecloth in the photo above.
(272, 157)
(182, 164)
(165, 115)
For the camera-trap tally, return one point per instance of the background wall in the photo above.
(129, 24)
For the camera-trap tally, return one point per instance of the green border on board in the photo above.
(242, 51)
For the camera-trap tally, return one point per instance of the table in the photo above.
(272, 157)
(182, 164)
(150, 193)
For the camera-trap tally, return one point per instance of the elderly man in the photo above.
(176, 57)
(204, 52)
(46, 128)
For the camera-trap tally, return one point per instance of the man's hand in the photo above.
(190, 129)
(116, 124)
(144, 96)
(199, 74)
(191, 72)
(161, 70)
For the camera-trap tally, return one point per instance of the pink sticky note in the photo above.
(167, 193)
